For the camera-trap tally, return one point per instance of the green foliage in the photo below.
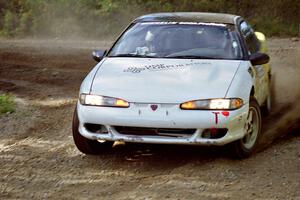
(8, 24)
(25, 23)
(96, 18)
(7, 103)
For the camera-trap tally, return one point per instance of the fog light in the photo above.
(96, 128)
(214, 133)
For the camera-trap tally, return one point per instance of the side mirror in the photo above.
(259, 58)
(98, 55)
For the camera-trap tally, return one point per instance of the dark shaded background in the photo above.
(106, 18)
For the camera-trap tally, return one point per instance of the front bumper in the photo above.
(166, 116)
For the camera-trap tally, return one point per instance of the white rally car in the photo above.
(177, 78)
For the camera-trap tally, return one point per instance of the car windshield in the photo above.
(178, 40)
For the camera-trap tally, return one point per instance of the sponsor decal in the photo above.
(224, 113)
(216, 117)
(184, 23)
(162, 67)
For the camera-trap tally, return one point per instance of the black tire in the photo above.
(87, 146)
(239, 147)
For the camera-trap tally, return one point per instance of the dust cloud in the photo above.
(285, 118)
(82, 22)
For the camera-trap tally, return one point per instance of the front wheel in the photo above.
(85, 145)
(244, 147)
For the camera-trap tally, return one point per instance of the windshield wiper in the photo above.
(132, 55)
(191, 57)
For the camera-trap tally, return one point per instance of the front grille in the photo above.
(154, 131)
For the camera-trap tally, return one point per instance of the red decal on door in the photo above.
(216, 117)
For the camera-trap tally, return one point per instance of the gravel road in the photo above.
(38, 159)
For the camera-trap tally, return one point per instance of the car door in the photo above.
(259, 71)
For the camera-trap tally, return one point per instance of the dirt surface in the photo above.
(38, 159)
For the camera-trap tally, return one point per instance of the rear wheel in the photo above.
(244, 147)
(85, 145)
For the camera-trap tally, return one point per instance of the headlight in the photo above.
(213, 104)
(96, 100)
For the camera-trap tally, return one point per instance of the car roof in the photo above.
(189, 17)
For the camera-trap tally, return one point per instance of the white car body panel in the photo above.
(142, 116)
(164, 80)
(88, 81)
(146, 81)
(260, 84)
(242, 83)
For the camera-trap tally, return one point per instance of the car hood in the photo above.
(156, 80)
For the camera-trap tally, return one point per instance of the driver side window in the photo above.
(253, 44)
